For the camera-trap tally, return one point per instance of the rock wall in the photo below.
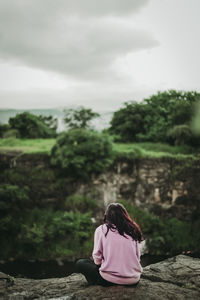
(177, 278)
(163, 186)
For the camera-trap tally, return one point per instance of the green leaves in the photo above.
(32, 126)
(165, 236)
(80, 152)
(48, 233)
(80, 203)
(79, 118)
(151, 119)
(12, 198)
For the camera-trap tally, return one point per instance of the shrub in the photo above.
(3, 129)
(80, 153)
(180, 134)
(31, 126)
(52, 234)
(12, 198)
(11, 133)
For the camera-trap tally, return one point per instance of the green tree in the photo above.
(30, 126)
(151, 119)
(128, 121)
(79, 118)
(167, 109)
(80, 152)
(50, 121)
(196, 120)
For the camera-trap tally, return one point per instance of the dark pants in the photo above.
(91, 272)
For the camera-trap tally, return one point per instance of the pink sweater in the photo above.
(118, 256)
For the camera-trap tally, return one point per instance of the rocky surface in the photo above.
(174, 278)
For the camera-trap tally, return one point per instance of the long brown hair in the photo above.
(117, 217)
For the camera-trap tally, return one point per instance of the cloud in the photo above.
(67, 7)
(98, 96)
(80, 39)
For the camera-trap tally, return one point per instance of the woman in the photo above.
(116, 251)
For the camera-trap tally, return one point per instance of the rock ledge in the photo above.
(174, 278)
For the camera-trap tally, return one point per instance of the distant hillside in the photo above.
(99, 123)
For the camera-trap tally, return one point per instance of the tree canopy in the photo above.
(80, 152)
(154, 117)
(79, 118)
(31, 126)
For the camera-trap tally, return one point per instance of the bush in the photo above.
(3, 129)
(11, 133)
(12, 198)
(180, 135)
(47, 234)
(31, 126)
(80, 153)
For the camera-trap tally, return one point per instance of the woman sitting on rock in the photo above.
(116, 251)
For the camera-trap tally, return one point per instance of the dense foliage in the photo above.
(153, 118)
(81, 152)
(79, 118)
(41, 233)
(50, 121)
(46, 233)
(3, 129)
(168, 236)
(81, 203)
(32, 126)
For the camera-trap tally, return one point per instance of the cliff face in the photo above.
(163, 186)
(174, 278)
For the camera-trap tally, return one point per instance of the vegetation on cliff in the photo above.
(80, 153)
(42, 216)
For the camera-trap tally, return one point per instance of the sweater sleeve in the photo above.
(97, 253)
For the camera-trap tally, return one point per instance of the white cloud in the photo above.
(49, 35)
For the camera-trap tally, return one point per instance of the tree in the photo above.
(50, 121)
(151, 119)
(30, 126)
(196, 120)
(79, 118)
(79, 152)
(166, 110)
(129, 121)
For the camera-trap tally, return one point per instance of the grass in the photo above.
(145, 150)
(27, 145)
(155, 150)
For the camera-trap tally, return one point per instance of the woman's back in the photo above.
(118, 255)
(116, 252)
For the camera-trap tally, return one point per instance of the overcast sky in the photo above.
(95, 53)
